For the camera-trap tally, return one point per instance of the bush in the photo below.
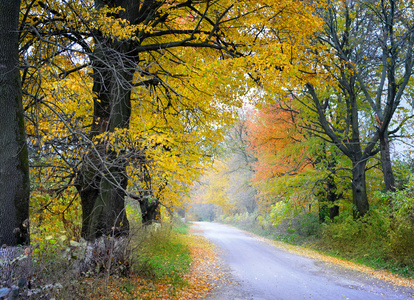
(402, 218)
(363, 236)
(281, 211)
(307, 224)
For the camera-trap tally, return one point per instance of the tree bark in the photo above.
(359, 189)
(386, 164)
(14, 168)
(150, 211)
(102, 180)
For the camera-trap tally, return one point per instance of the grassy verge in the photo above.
(154, 262)
(164, 257)
(168, 263)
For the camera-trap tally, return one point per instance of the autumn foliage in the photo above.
(133, 107)
(274, 135)
(280, 146)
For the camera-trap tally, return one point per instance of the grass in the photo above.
(182, 228)
(163, 256)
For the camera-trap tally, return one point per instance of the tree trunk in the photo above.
(150, 211)
(103, 204)
(14, 168)
(150, 206)
(359, 189)
(386, 162)
(102, 180)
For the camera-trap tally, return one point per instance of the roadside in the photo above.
(232, 289)
(380, 274)
(160, 278)
(210, 277)
(208, 272)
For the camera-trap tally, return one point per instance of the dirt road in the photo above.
(259, 270)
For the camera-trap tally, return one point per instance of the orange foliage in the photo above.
(273, 135)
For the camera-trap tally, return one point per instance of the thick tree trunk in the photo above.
(102, 180)
(386, 163)
(359, 189)
(14, 168)
(103, 203)
(150, 211)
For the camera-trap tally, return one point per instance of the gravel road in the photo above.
(259, 270)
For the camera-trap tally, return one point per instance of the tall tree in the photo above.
(14, 172)
(358, 69)
(158, 76)
(293, 164)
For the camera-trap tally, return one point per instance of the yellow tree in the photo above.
(353, 78)
(155, 82)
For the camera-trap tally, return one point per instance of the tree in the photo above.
(14, 172)
(114, 63)
(376, 65)
(147, 68)
(239, 160)
(354, 76)
(292, 163)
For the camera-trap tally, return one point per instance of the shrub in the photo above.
(363, 236)
(307, 224)
(401, 233)
(281, 211)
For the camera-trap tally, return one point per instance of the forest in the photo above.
(121, 118)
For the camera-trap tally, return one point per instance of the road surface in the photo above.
(259, 270)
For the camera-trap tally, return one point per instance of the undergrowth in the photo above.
(111, 268)
(163, 256)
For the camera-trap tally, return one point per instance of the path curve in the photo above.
(260, 270)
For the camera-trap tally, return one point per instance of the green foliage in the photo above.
(307, 224)
(402, 218)
(54, 221)
(280, 211)
(258, 224)
(363, 236)
(403, 168)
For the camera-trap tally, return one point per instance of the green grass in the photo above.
(164, 256)
(182, 228)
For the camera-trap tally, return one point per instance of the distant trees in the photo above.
(293, 164)
(280, 149)
(346, 90)
(227, 188)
